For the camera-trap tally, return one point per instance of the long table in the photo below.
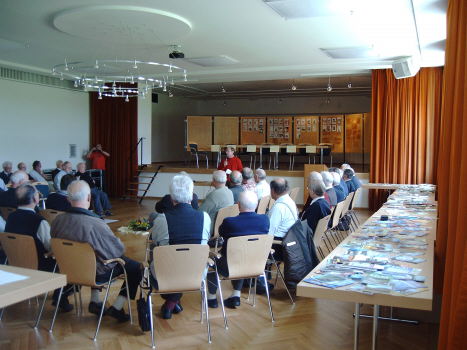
(36, 283)
(421, 300)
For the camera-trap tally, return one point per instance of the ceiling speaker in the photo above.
(406, 67)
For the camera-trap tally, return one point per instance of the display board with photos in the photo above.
(280, 130)
(353, 133)
(332, 131)
(252, 130)
(226, 130)
(306, 129)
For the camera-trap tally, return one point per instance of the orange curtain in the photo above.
(405, 116)
(451, 244)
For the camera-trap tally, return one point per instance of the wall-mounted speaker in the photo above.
(154, 97)
(406, 67)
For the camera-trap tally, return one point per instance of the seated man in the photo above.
(355, 180)
(262, 186)
(343, 186)
(100, 199)
(248, 182)
(313, 176)
(59, 200)
(185, 225)
(82, 225)
(337, 187)
(22, 167)
(6, 173)
(283, 213)
(328, 180)
(246, 223)
(8, 198)
(166, 202)
(236, 184)
(36, 172)
(59, 164)
(220, 198)
(347, 177)
(319, 207)
(3, 186)
(66, 169)
(25, 221)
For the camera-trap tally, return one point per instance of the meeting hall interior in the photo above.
(249, 174)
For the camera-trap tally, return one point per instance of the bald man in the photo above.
(236, 184)
(82, 225)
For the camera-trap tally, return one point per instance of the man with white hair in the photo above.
(328, 180)
(220, 198)
(36, 172)
(7, 171)
(59, 164)
(355, 180)
(236, 184)
(8, 198)
(262, 187)
(246, 223)
(66, 169)
(343, 186)
(185, 225)
(336, 183)
(248, 182)
(100, 199)
(313, 176)
(319, 207)
(82, 225)
(283, 213)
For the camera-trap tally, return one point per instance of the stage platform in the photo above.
(203, 177)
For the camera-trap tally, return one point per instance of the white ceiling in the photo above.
(36, 35)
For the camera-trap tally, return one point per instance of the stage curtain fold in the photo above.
(114, 125)
(451, 243)
(405, 125)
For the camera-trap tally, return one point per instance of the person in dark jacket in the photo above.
(347, 177)
(337, 187)
(8, 198)
(6, 173)
(100, 199)
(246, 223)
(236, 184)
(59, 164)
(331, 192)
(319, 207)
(25, 221)
(59, 200)
(355, 180)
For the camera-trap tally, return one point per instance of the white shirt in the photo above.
(2, 224)
(263, 189)
(37, 176)
(3, 186)
(282, 216)
(43, 231)
(314, 200)
(58, 178)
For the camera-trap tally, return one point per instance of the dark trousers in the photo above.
(100, 200)
(134, 275)
(223, 269)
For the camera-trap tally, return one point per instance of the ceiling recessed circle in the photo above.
(125, 25)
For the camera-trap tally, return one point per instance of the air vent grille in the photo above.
(35, 78)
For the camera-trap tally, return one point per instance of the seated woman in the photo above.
(230, 162)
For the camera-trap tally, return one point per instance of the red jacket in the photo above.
(233, 163)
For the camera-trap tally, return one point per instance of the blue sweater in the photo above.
(316, 212)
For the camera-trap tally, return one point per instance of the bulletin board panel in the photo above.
(280, 130)
(306, 129)
(226, 130)
(332, 131)
(353, 133)
(252, 130)
(199, 130)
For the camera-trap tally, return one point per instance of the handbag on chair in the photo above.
(142, 306)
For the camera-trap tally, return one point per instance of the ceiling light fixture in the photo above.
(223, 89)
(110, 76)
(293, 87)
(171, 94)
(329, 87)
(349, 84)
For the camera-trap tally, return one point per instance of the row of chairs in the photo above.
(48, 214)
(251, 151)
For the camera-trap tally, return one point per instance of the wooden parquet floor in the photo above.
(309, 324)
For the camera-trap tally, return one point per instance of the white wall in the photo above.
(39, 123)
(145, 128)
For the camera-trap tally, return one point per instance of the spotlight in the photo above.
(66, 65)
(223, 89)
(135, 66)
(171, 94)
(293, 87)
(75, 84)
(127, 99)
(329, 87)
(349, 85)
(96, 66)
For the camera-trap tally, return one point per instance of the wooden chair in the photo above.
(246, 258)
(345, 211)
(21, 251)
(263, 205)
(294, 193)
(319, 234)
(50, 214)
(333, 231)
(6, 211)
(351, 211)
(78, 262)
(223, 213)
(181, 269)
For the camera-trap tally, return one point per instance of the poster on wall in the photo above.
(332, 132)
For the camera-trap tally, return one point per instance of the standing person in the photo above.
(230, 162)
(97, 156)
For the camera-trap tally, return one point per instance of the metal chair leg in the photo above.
(56, 310)
(39, 315)
(103, 305)
(204, 293)
(279, 272)
(197, 160)
(219, 288)
(151, 320)
(128, 296)
(76, 300)
(269, 299)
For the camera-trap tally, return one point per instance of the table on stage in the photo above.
(421, 300)
(26, 284)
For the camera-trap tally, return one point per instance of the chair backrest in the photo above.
(294, 193)
(271, 203)
(263, 205)
(336, 215)
(265, 149)
(50, 214)
(6, 211)
(20, 250)
(247, 255)
(180, 267)
(326, 151)
(231, 210)
(193, 147)
(320, 229)
(347, 202)
(75, 260)
(356, 197)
